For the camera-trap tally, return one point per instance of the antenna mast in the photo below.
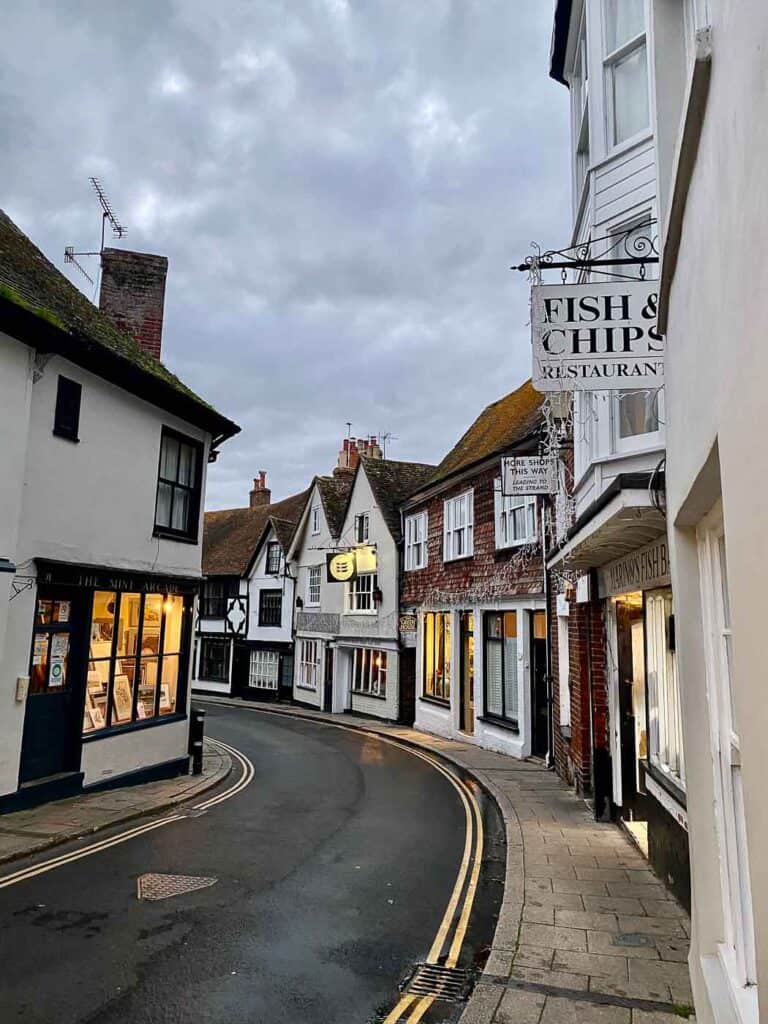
(107, 214)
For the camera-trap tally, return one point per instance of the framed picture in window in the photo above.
(123, 698)
(165, 697)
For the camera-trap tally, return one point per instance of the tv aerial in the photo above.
(107, 214)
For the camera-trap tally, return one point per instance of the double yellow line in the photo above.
(247, 773)
(471, 861)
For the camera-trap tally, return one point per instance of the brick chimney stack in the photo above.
(261, 494)
(351, 451)
(133, 295)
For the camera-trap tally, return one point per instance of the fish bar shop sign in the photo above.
(596, 337)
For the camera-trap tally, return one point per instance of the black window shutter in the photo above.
(66, 421)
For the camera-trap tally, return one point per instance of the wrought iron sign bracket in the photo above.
(637, 246)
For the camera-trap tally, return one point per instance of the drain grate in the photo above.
(449, 983)
(162, 887)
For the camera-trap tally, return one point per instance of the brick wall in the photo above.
(132, 295)
(489, 574)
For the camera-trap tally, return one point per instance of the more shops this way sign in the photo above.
(529, 474)
(596, 337)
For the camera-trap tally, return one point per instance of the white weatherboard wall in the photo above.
(90, 503)
(717, 369)
(378, 630)
(310, 550)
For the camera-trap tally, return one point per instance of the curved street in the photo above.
(343, 863)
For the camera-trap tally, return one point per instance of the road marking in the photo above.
(104, 844)
(474, 825)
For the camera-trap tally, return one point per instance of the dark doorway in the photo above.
(539, 697)
(407, 686)
(328, 683)
(240, 662)
(53, 719)
(630, 644)
(467, 669)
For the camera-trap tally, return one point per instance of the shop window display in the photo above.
(133, 667)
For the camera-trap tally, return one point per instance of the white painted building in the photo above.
(244, 630)
(713, 281)
(632, 766)
(103, 467)
(347, 640)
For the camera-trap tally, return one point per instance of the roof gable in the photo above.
(232, 537)
(392, 483)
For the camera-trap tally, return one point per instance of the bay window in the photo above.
(137, 642)
(369, 672)
(416, 541)
(665, 739)
(437, 655)
(501, 658)
(626, 69)
(458, 526)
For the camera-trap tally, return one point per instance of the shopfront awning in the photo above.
(627, 521)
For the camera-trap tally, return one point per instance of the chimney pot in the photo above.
(132, 295)
(261, 494)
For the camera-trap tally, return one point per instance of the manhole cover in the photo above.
(162, 887)
(449, 983)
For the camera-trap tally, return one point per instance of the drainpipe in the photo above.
(550, 758)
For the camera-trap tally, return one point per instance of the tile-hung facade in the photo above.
(712, 194)
(360, 649)
(617, 721)
(473, 590)
(103, 464)
(244, 629)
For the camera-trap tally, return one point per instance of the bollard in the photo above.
(196, 730)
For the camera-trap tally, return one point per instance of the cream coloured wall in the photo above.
(717, 368)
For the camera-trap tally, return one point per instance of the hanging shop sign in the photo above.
(596, 337)
(641, 570)
(525, 475)
(343, 566)
(408, 623)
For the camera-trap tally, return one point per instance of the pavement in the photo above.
(586, 932)
(27, 832)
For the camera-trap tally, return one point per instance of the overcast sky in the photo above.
(340, 187)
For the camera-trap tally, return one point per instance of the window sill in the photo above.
(373, 696)
(667, 783)
(415, 568)
(439, 702)
(509, 724)
(303, 686)
(182, 538)
(363, 614)
(459, 558)
(146, 723)
(517, 544)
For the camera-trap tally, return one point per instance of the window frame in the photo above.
(314, 520)
(259, 654)
(664, 713)
(609, 63)
(411, 521)
(440, 686)
(230, 588)
(467, 529)
(362, 527)
(68, 392)
(379, 671)
(191, 533)
(493, 716)
(263, 608)
(272, 547)
(580, 108)
(226, 645)
(308, 667)
(363, 586)
(505, 506)
(737, 952)
(318, 570)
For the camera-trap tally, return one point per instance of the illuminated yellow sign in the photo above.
(365, 559)
(346, 565)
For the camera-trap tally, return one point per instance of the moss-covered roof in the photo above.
(31, 283)
(392, 482)
(503, 423)
(334, 494)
